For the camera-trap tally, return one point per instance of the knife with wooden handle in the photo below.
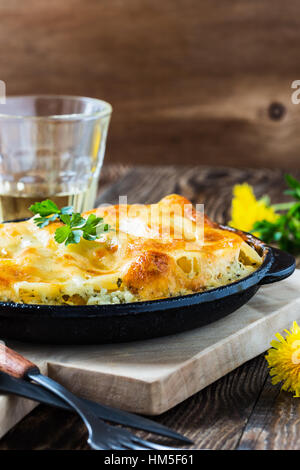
(16, 366)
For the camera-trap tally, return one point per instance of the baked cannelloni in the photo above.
(150, 252)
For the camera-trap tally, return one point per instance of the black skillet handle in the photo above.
(283, 266)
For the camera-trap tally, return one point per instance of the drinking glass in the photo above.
(50, 147)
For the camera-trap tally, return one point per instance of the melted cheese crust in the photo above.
(137, 260)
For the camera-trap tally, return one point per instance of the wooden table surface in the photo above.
(240, 411)
(190, 81)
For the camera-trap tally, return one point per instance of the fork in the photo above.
(23, 388)
(101, 436)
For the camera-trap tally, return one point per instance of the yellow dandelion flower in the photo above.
(246, 209)
(284, 360)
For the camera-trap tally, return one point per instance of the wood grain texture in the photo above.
(274, 423)
(200, 184)
(214, 418)
(241, 410)
(191, 82)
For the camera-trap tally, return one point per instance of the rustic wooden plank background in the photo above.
(191, 81)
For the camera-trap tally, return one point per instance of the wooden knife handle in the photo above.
(13, 363)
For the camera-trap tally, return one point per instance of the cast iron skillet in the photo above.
(96, 324)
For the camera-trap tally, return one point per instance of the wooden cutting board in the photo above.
(152, 376)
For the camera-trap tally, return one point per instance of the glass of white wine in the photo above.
(51, 147)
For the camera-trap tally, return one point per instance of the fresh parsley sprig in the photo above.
(75, 226)
(286, 229)
(49, 212)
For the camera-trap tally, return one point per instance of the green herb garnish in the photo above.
(286, 229)
(75, 226)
